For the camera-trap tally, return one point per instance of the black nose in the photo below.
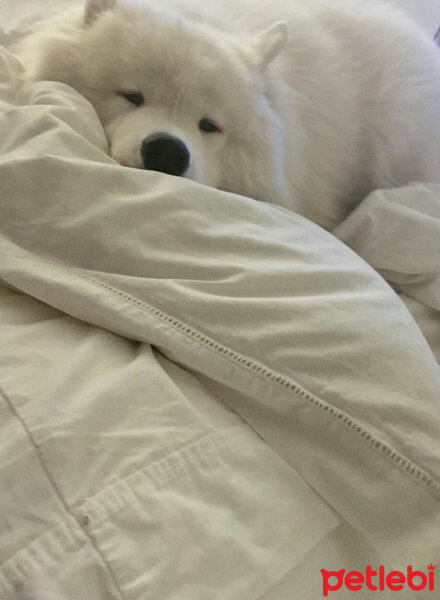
(165, 153)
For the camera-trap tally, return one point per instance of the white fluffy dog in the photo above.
(311, 112)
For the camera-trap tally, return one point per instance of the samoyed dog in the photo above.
(307, 104)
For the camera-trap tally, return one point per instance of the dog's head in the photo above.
(174, 95)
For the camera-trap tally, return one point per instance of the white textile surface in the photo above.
(398, 233)
(124, 476)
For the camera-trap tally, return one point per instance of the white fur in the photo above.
(313, 119)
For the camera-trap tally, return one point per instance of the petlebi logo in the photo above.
(378, 580)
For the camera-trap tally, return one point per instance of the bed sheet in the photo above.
(102, 434)
(45, 541)
(326, 391)
(397, 232)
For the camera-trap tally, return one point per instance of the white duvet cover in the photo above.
(398, 233)
(303, 431)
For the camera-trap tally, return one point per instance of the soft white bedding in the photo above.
(398, 233)
(303, 431)
(124, 476)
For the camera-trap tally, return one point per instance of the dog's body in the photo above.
(347, 101)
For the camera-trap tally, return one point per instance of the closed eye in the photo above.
(208, 126)
(135, 98)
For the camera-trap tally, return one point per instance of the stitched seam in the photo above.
(167, 470)
(416, 473)
(56, 489)
(60, 539)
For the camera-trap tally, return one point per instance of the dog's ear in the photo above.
(266, 45)
(94, 8)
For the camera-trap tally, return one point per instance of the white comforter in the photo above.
(308, 405)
